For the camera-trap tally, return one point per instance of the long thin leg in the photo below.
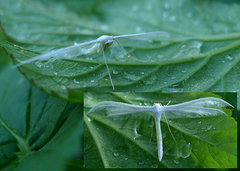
(122, 47)
(107, 68)
(169, 128)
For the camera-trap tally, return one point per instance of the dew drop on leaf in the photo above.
(186, 151)
(63, 87)
(115, 71)
(116, 154)
(154, 166)
(188, 48)
(76, 81)
(57, 79)
(38, 64)
(89, 119)
(150, 80)
(176, 161)
(228, 57)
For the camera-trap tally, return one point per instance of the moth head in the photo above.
(157, 109)
(107, 44)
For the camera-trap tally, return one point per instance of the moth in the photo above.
(88, 48)
(208, 106)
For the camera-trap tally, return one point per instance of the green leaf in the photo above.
(38, 132)
(3, 57)
(129, 141)
(202, 53)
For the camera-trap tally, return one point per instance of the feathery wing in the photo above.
(118, 108)
(63, 53)
(209, 106)
(143, 36)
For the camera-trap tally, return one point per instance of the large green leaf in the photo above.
(38, 132)
(202, 53)
(129, 141)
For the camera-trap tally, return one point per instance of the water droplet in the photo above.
(92, 81)
(38, 64)
(228, 57)
(171, 90)
(76, 81)
(188, 48)
(176, 161)
(165, 14)
(186, 151)
(141, 162)
(172, 18)
(135, 130)
(115, 71)
(183, 71)
(172, 78)
(64, 80)
(154, 166)
(150, 80)
(208, 127)
(89, 119)
(104, 27)
(57, 79)
(138, 29)
(55, 73)
(142, 73)
(116, 154)
(131, 77)
(63, 87)
(166, 5)
(135, 8)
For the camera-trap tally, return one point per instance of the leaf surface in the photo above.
(37, 130)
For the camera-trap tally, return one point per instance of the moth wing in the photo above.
(62, 53)
(205, 102)
(118, 108)
(143, 36)
(208, 106)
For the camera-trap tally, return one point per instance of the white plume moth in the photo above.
(91, 47)
(208, 106)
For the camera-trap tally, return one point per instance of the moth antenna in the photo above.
(122, 47)
(107, 67)
(169, 128)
